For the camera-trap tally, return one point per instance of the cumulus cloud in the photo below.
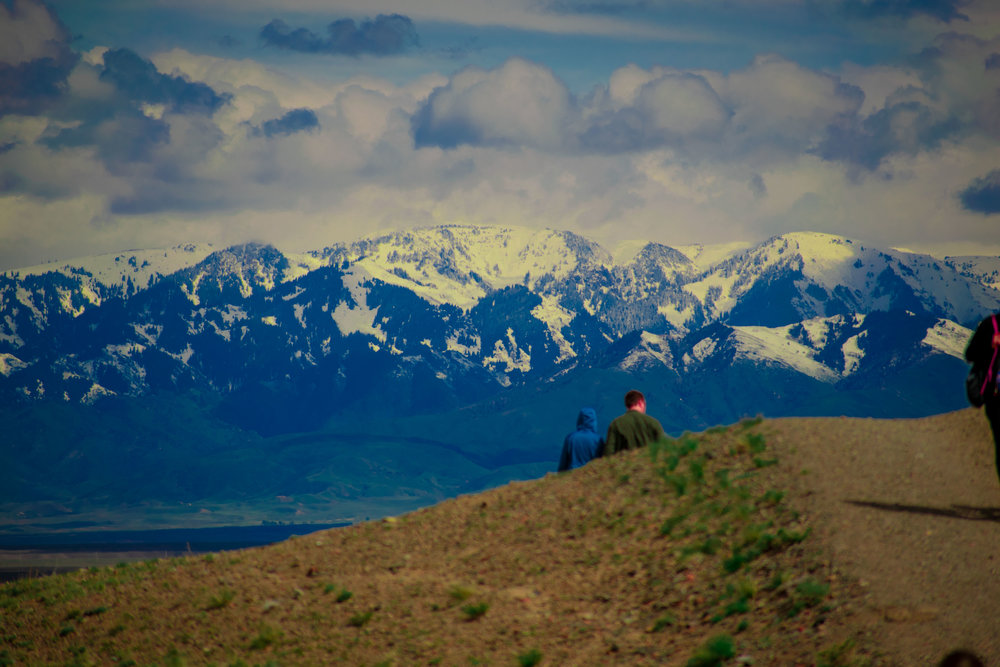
(785, 106)
(983, 194)
(296, 120)
(907, 127)
(30, 31)
(222, 149)
(121, 139)
(956, 72)
(139, 79)
(130, 118)
(387, 34)
(518, 104)
(773, 109)
(35, 57)
(682, 105)
(952, 99)
(669, 109)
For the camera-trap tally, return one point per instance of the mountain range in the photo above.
(473, 345)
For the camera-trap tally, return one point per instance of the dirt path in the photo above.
(912, 509)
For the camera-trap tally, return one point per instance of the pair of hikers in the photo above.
(629, 431)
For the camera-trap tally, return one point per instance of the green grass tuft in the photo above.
(715, 651)
(530, 658)
(360, 619)
(663, 622)
(221, 600)
(460, 593)
(267, 636)
(474, 611)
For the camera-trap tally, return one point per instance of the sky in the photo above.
(128, 124)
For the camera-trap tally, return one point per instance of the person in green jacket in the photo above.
(633, 429)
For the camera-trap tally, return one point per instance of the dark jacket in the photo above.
(583, 444)
(980, 347)
(632, 430)
(980, 353)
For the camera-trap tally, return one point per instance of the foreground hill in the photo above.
(777, 542)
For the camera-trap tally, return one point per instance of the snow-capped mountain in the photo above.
(409, 367)
(830, 349)
(985, 270)
(803, 275)
(434, 317)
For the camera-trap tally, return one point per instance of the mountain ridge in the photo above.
(575, 299)
(448, 330)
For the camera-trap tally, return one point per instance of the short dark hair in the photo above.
(961, 658)
(633, 398)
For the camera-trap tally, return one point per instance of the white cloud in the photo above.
(778, 101)
(28, 32)
(519, 103)
(230, 76)
(671, 155)
(964, 73)
(682, 105)
(878, 82)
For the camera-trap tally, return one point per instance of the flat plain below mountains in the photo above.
(826, 541)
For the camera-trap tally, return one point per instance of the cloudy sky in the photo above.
(149, 123)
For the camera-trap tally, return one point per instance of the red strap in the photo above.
(989, 371)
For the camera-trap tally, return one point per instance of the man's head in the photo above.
(634, 400)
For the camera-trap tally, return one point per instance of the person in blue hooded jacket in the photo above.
(583, 444)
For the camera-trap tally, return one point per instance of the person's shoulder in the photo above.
(987, 322)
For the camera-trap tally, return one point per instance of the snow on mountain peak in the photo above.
(137, 266)
(459, 264)
(948, 337)
(811, 274)
(652, 350)
(705, 257)
(625, 252)
(777, 345)
(982, 269)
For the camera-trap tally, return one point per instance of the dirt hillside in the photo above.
(775, 542)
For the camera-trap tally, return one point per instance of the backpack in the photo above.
(980, 383)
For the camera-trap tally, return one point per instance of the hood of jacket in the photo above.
(587, 420)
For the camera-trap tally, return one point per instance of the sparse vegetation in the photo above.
(716, 650)
(688, 550)
(265, 637)
(221, 600)
(361, 618)
(460, 593)
(474, 611)
(530, 658)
